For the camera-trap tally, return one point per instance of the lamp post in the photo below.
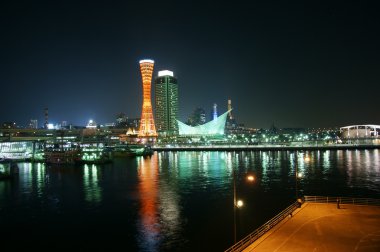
(238, 203)
(296, 173)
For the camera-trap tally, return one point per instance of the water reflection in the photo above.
(149, 228)
(172, 200)
(92, 190)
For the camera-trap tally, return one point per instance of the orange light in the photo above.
(250, 178)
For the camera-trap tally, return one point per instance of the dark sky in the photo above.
(298, 64)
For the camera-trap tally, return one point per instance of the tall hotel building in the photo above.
(166, 103)
(147, 127)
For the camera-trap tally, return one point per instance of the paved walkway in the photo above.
(322, 227)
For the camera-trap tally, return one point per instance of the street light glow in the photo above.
(239, 203)
(250, 178)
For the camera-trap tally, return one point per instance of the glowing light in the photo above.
(165, 73)
(250, 178)
(239, 203)
(146, 61)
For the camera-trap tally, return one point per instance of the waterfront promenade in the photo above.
(268, 147)
(324, 227)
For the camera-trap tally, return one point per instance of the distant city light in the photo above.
(50, 126)
(165, 73)
(91, 124)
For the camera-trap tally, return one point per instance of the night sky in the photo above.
(299, 64)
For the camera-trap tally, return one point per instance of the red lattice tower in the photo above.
(147, 127)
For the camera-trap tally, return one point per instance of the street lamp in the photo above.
(238, 203)
(296, 173)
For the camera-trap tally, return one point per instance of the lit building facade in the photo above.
(212, 128)
(147, 126)
(360, 131)
(166, 103)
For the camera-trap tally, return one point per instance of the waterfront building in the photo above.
(212, 128)
(166, 103)
(360, 131)
(147, 126)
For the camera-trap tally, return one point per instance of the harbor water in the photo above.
(171, 201)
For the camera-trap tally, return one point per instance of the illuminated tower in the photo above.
(214, 112)
(166, 103)
(147, 127)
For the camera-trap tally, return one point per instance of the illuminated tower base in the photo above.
(147, 127)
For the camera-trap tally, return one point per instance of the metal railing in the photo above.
(342, 200)
(249, 239)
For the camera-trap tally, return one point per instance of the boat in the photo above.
(95, 156)
(59, 156)
(130, 150)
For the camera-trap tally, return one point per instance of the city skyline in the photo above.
(294, 65)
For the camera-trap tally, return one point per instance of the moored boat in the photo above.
(95, 156)
(53, 156)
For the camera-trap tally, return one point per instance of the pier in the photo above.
(320, 224)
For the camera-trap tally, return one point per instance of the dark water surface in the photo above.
(172, 201)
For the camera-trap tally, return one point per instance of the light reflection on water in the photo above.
(176, 201)
(91, 188)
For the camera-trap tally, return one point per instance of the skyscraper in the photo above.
(166, 103)
(147, 127)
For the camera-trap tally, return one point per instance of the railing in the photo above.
(342, 200)
(249, 239)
